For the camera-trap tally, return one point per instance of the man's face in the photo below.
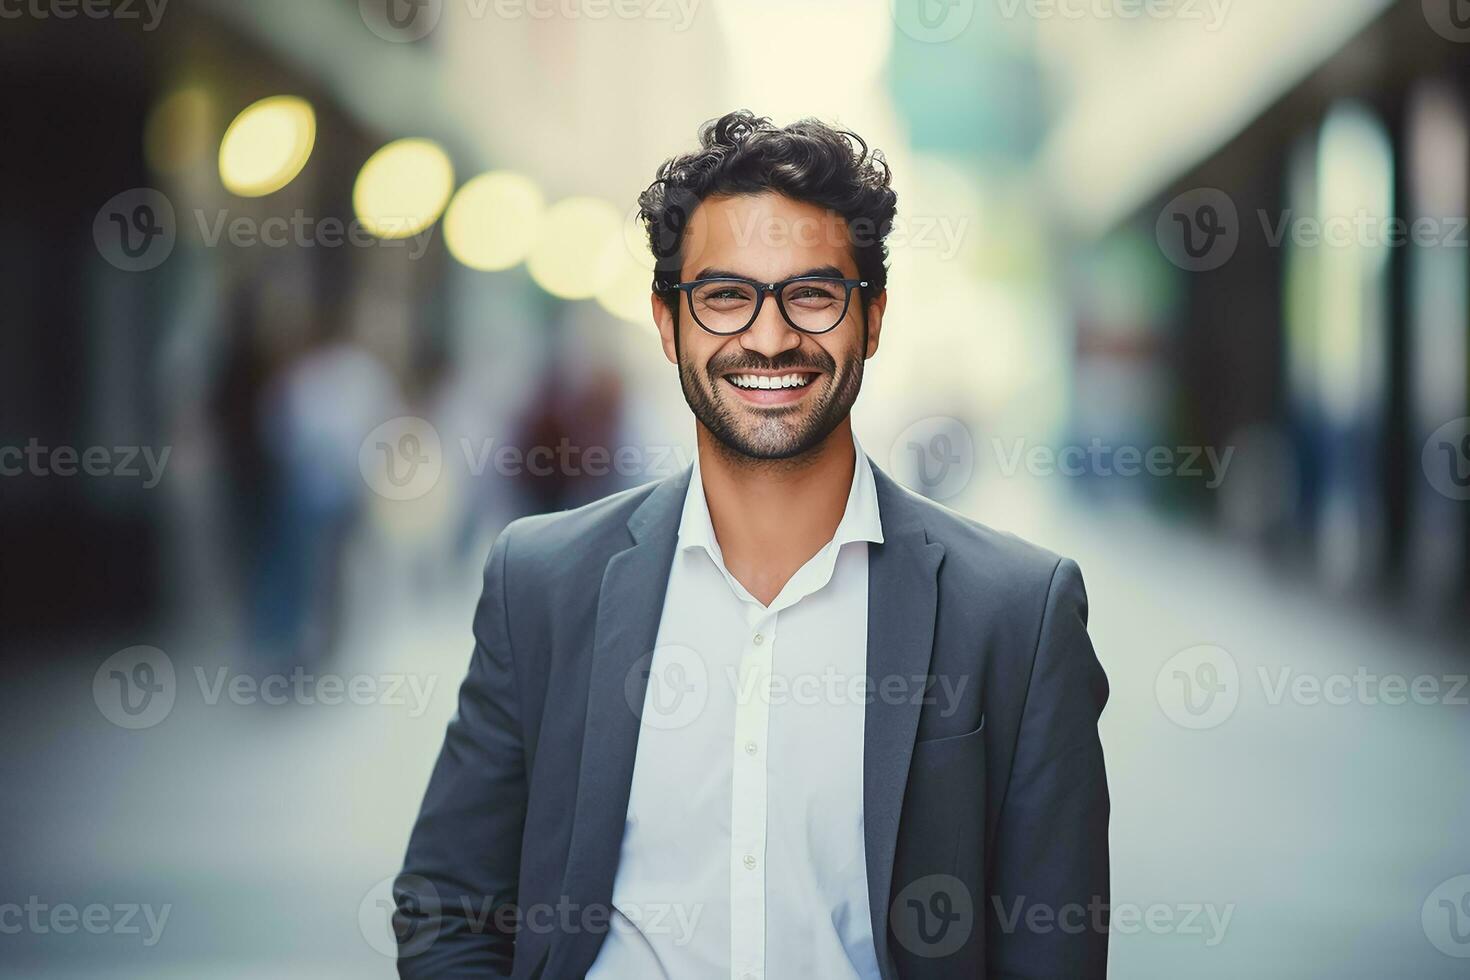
(768, 237)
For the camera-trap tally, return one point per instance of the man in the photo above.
(774, 717)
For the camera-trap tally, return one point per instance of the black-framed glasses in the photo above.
(727, 305)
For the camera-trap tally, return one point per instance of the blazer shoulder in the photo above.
(546, 540)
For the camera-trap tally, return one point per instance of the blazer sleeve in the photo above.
(1047, 911)
(456, 896)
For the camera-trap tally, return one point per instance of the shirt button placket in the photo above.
(748, 803)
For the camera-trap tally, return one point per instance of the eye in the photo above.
(813, 293)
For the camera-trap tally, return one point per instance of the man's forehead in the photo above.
(766, 230)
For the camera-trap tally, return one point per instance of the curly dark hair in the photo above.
(808, 161)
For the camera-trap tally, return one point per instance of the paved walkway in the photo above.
(1284, 839)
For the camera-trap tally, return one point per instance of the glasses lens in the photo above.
(816, 305)
(723, 305)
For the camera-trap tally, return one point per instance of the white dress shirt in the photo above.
(742, 853)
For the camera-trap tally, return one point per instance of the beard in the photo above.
(775, 433)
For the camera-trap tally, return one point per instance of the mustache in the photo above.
(791, 360)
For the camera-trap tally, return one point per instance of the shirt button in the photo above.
(759, 639)
(750, 748)
(749, 862)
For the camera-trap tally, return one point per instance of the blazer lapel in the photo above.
(629, 608)
(903, 590)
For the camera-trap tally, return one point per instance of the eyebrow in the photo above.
(829, 271)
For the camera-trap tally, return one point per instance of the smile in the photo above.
(753, 382)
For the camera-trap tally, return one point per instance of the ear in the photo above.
(875, 322)
(663, 318)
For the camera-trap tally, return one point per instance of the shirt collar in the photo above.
(860, 518)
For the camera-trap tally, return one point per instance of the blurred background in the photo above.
(303, 300)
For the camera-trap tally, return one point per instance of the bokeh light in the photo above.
(177, 134)
(267, 145)
(493, 221)
(580, 248)
(403, 188)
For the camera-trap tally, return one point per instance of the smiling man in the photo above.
(774, 717)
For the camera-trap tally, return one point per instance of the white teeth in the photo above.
(766, 381)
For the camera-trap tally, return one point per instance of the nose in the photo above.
(770, 334)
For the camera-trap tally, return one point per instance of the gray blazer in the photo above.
(985, 814)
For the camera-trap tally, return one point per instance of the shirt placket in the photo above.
(749, 798)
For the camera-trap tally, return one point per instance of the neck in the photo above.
(771, 516)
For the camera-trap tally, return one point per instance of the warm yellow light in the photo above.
(493, 220)
(579, 250)
(403, 188)
(267, 145)
(627, 296)
(178, 132)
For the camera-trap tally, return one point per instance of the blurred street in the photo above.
(302, 301)
(1312, 833)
